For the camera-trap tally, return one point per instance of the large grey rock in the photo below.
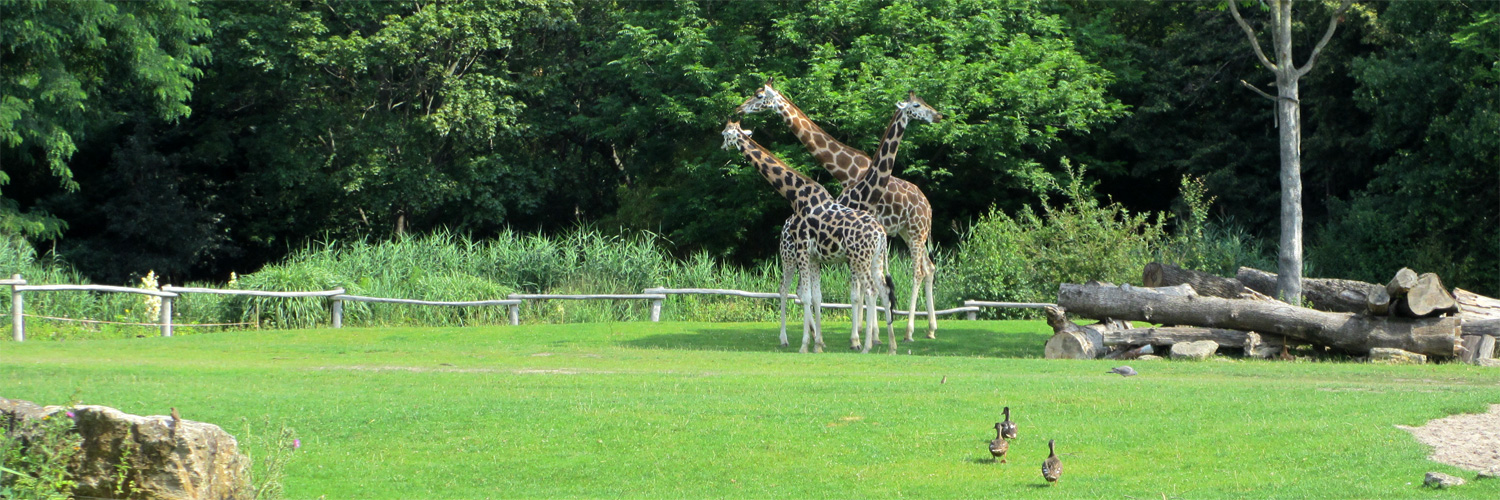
(1441, 480)
(185, 460)
(1390, 356)
(1194, 351)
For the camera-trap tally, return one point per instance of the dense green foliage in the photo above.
(999, 258)
(210, 137)
(75, 68)
(699, 410)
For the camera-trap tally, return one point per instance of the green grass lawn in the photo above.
(693, 410)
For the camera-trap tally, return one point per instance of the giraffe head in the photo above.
(915, 107)
(734, 135)
(765, 98)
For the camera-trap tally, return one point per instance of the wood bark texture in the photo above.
(1474, 307)
(1157, 274)
(1349, 332)
(1324, 294)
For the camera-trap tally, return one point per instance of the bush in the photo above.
(1026, 257)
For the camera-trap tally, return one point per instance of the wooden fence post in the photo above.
(515, 314)
(166, 316)
(655, 310)
(17, 306)
(338, 312)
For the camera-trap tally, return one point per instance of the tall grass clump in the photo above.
(1023, 258)
(18, 257)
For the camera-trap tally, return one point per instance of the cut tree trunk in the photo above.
(1070, 341)
(1474, 307)
(1352, 333)
(1324, 294)
(1157, 274)
(1427, 298)
(1404, 280)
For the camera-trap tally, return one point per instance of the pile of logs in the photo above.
(1412, 313)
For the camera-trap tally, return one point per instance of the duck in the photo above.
(999, 446)
(1052, 467)
(1007, 428)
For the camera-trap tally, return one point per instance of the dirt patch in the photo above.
(1470, 440)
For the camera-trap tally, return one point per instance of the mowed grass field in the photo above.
(698, 410)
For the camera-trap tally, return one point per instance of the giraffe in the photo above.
(902, 208)
(830, 232)
(860, 194)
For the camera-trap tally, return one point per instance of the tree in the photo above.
(71, 67)
(1289, 123)
(1433, 95)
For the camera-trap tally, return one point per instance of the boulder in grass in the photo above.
(1194, 351)
(1390, 356)
(167, 459)
(1441, 480)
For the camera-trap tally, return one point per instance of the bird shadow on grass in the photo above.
(952, 341)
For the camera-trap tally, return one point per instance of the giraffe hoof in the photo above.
(932, 334)
(909, 339)
(785, 344)
(803, 350)
(818, 349)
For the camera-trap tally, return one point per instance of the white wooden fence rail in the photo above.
(336, 298)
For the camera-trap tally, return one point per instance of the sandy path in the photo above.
(1470, 440)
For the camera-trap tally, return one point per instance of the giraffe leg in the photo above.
(921, 272)
(786, 283)
(856, 308)
(931, 311)
(816, 284)
(911, 317)
(804, 292)
(813, 310)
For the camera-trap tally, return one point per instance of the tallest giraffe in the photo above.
(902, 208)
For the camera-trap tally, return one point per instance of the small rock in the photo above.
(1194, 351)
(1147, 357)
(1389, 356)
(1441, 480)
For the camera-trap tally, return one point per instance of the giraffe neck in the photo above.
(802, 192)
(845, 163)
(870, 186)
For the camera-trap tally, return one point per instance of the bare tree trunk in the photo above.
(1289, 128)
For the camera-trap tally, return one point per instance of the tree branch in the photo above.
(1255, 44)
(1333, 24)
(1258, 91)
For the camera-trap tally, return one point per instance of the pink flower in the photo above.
(296, 443)
(70, 415)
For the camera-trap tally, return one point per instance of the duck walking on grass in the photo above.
(1052, 467)
(999, 446)
(1007, 428)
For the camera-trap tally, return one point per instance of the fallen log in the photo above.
(1489, 327)
(1157, 274)
(1427, 298)
(1325, 294)
(1351, 333)
(1473, 306)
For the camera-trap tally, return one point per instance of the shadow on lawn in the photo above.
(951, 341)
